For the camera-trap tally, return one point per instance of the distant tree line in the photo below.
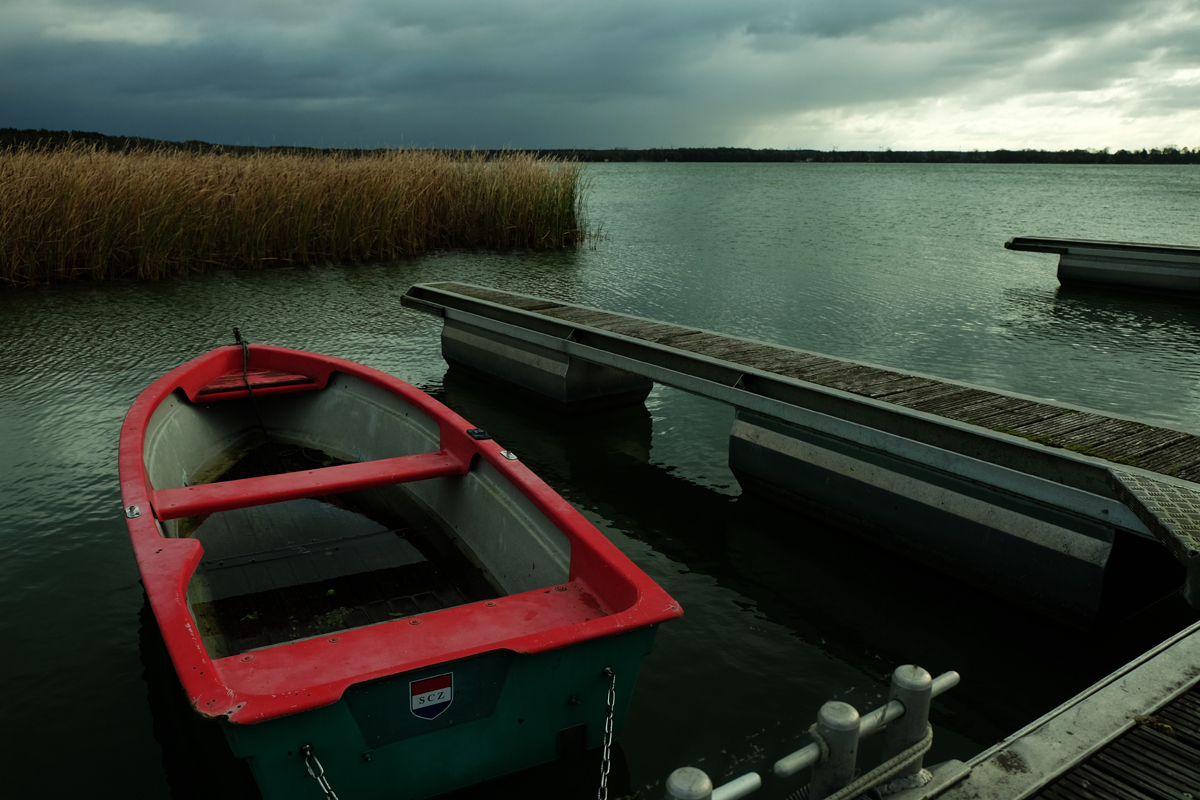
(1166, 155)
(11, 137)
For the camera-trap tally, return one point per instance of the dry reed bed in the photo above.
(85, 213)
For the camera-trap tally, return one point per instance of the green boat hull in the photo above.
(509, 712)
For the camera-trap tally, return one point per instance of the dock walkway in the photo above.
(1134, 735)
(1046, 452)
(1121, 441)
(1166, 268)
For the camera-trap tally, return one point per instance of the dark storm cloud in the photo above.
(471, 73)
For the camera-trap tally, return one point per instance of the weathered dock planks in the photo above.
(1025, 497)
(1135, 735)
(1160, 757)
(1167, 451)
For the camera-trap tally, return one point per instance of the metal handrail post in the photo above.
(913, 687)
(837, 726)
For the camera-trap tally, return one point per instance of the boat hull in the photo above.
(337, 560)
(510, 712)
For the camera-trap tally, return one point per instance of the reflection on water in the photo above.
(1113, 346)
(899, 265)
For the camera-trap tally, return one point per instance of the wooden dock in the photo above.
(1135, 735)
(1161, 754)
(1121, 441)
(1165, 268)
(1046, 452)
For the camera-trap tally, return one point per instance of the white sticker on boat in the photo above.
(432, 696)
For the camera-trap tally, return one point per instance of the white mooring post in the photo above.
(838, 726)
(912, 686)
(689, 783)
(834, 753)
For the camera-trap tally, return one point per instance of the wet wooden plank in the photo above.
(1188, 473)
(885, 391)
(1148, 763)
(668, 338)
(766, 354)
(1014, 420)
(951, 397)
(1173, 458)
(579, 316)
(776, 361)
(1111, 787)
(1105, 430)
(1156, 449)
(876, 377)
(1059, 425)
(697, 342)
(862, 381)
(739, 352)
(996, 404)
(1140, 444)
(646, 331)
(1070, 790)
(922, 393)
(1189, 705)
(1132, 773)
(505, 298)
(461, 288)
(1105, 786)
(854, 365)
(829, 377)
(823, 374)
(974, 413)
(1155, 745)
(1184, 723)
(1153, 741)
(817, 366)
(1066, 790)
(810, 369)
(661, 331)
(480, 293)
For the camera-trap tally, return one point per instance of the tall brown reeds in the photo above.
(84, 213)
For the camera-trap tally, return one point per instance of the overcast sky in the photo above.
(870, 74)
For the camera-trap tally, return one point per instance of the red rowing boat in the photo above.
(343, 568)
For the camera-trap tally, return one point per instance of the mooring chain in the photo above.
(316, 771)
(606, 758)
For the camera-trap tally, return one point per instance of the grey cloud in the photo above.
(532, 74)
(903, 18)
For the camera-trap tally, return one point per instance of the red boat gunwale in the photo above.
(605, 593)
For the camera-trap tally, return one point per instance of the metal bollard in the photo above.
(689, 783)
(912, 686)
(837, 724)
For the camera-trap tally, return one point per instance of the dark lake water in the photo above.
(898, 265)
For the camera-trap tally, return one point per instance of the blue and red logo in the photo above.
(432, 696)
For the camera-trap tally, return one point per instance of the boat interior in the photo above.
(281, 571)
